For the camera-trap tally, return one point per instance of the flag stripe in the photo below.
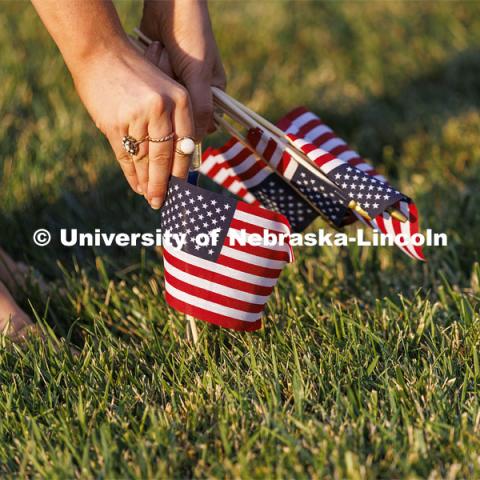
(194, 289)
(218, 278)
(211, 285)
(208, 316)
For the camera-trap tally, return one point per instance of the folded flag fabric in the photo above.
(333, 155)
(224, 282)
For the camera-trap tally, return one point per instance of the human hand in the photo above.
(184, 28)
(126, 95)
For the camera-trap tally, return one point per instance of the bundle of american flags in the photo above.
(284, 174)
(302, 169)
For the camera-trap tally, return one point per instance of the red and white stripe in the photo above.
(235, 168)
(305, 124)
(233, 290)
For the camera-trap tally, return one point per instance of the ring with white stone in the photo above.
(185, 146)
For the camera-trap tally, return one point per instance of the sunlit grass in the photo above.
(368, 362)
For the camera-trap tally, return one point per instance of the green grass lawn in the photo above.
(368, 363)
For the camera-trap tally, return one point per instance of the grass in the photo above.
(368, 363)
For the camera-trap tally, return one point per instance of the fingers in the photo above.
(183, 127)
(140, 161)
(202, 105)
(159, 157)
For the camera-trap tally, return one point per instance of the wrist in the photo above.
(103, 50)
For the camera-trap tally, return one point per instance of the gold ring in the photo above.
(130, 144)
(185, 146)
(166, 138)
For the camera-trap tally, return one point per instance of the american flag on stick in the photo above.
(225, 282)
(377, 204)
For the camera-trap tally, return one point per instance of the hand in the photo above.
(184, 28)
(126, 95)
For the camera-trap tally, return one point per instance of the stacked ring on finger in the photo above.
(185, 146)
(131, 144)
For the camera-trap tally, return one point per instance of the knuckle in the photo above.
(180, 97)
(158, 104)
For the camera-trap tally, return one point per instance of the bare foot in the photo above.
(14, 322)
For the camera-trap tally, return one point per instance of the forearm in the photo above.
(82, 28)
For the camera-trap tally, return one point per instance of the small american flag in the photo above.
(322, 145)
(222, 282)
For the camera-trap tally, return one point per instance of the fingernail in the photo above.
(139, 190)
(156, 203)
